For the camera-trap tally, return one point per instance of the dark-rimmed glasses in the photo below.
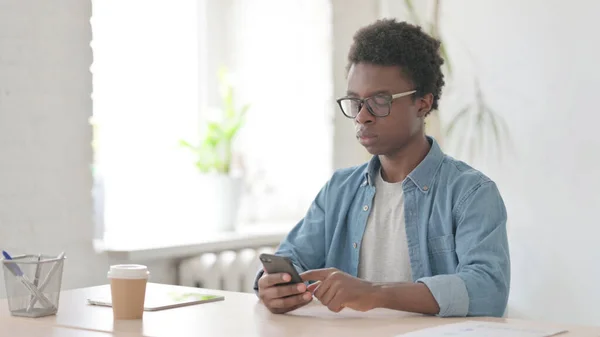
(378, 105)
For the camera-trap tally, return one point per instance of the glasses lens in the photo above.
(350, 107)
(380, 105)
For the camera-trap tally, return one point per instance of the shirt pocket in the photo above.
(442, 254)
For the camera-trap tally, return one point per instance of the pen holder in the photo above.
(33, 284)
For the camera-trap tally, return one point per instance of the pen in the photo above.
(47, 278)
(36, 279)
(15, 270)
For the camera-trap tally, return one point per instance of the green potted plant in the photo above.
(220, 189)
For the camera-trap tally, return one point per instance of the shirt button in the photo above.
(425, 188)
(365, 208)
(355, 245)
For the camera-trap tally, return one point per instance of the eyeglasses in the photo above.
(378, 105)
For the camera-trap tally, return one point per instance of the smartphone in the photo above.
(280, 264)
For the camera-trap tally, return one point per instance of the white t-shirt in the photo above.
(384, 249)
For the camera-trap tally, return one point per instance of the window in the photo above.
(155, 65)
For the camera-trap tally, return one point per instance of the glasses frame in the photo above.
(362, 101)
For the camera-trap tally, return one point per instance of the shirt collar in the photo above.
(422, 176)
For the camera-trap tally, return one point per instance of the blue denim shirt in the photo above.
(455, 228)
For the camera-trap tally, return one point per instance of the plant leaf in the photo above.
(456, 119)
(228, 103)
(214, 154)
(244, 110)
(232, 130)
(186, 144)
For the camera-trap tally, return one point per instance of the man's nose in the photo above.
(364, 116)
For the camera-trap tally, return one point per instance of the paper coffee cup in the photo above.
(128, 290)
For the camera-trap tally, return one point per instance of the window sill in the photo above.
(183, 247)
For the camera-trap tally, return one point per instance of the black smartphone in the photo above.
(280, 264)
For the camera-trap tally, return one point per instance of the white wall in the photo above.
(539, 66)
(348, 17)
(45, 153)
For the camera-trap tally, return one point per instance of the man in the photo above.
(412, 230)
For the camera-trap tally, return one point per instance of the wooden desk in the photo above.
(242, 315)
(18, 328)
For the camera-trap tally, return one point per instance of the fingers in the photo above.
(333, 297)
(332, 281)
(281, 291)
(330, 292)
(337, 300)
(282, 298)
(329, 289)
(290, 301)
(325, 293)
(269, 280)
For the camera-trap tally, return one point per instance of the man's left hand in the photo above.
(337, 290)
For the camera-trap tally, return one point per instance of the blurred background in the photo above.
(190, 134)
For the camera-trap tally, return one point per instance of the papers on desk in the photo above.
(482, 329)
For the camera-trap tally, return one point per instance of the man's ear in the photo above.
(423, 112)
(424, 104)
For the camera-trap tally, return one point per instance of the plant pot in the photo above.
(220, 201)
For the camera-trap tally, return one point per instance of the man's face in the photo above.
(385, 135)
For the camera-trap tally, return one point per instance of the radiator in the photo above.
(225, 270)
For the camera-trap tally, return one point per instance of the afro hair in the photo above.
(388, 42)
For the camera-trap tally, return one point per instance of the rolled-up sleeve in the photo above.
(481, 284)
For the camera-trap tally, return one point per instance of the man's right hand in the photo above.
(278, 298)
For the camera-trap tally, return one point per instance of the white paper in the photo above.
(318, 310)
(482, 329)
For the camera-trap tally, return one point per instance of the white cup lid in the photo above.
(129, 271)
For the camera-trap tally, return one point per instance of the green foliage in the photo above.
(215, 150)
